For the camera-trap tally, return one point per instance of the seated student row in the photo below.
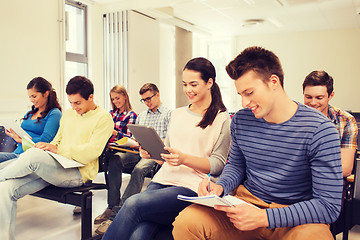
(268, 174)
(121, 114)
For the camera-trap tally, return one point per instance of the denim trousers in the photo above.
(142, 168)
(143, 213)
(32, 171)
(4, 156)
(117, 163)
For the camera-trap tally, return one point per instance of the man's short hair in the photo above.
(263, 62)
(81, 85)
(148, 87)
(319, 78)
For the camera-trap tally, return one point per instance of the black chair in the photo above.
(78, 196)
(349, 206)
(7, 144)
(352, 214)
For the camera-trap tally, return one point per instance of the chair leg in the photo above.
(86, 215)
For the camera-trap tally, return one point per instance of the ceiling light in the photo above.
(249, 23)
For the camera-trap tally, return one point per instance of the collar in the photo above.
(332, 114)
(159, 109)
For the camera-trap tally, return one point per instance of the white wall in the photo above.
(95, 51)
(167, 65)
(337, 52)
(29, 48)
(31, 36)
(143, 51)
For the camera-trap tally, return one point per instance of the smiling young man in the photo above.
(82, 136)
(284, 159)
(157, 116)
(318, 90)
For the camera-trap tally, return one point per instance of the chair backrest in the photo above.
(357, 177)
(7, 144)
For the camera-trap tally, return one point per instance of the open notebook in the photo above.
(212, 200)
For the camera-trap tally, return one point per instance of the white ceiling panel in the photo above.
(228, 17)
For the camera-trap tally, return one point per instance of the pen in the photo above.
(209, 183)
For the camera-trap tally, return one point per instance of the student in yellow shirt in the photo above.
(82, 136)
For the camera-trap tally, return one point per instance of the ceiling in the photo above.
(242, 17)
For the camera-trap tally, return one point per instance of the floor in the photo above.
(42, 219)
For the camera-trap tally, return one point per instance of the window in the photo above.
(75, 41)
(219, 52)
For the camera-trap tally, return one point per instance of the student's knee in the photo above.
(7, 190)
(309, 231)
(33, 154)
(187, 221)
(138, 171)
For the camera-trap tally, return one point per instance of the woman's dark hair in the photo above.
(207, 71)
(41, 85)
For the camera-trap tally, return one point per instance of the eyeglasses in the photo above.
(148, 99)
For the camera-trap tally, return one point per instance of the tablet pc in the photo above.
(149, 140)
(14, 125)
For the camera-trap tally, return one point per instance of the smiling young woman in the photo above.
(42, 121)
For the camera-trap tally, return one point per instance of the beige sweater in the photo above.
(184, 135)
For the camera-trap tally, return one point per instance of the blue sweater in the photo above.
(296, 163)
(44, 131)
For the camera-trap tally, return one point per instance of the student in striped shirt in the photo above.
(318, 90)
(284, 159)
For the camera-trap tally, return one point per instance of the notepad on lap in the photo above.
(212, 200)
(65, 162)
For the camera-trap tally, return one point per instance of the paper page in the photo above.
(27, 143)
(212, 200)
(126, 142)
(14, 125)
(65, 162)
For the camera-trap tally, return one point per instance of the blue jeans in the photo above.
(143, 213)
(4, 156)
(32, 171)
(142, 168)
(117, 163)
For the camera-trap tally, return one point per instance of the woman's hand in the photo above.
(175, 157)
(46, 146)
(204, 190)
(115, 133)
(13, 135)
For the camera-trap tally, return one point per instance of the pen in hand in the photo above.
(209, 183)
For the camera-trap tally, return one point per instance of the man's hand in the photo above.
(245, 217)
(46, 147)
(214, 188)
(143, 153)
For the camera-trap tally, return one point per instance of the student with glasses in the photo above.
(198, 140)
(157, 116)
